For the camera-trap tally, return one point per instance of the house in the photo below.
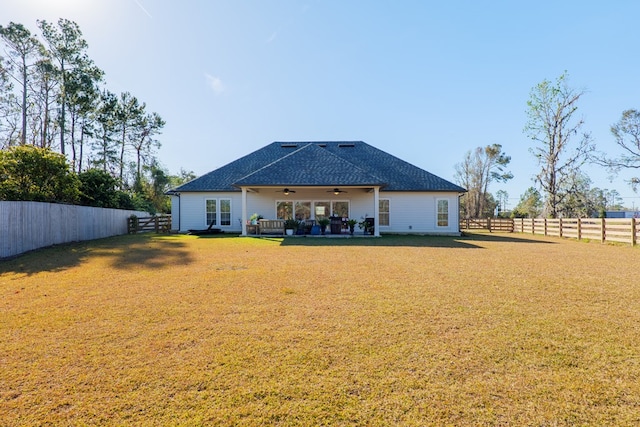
(311, 180)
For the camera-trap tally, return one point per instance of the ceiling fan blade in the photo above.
(285, 191)
(336, 191)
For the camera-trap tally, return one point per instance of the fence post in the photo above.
(603, 234)
(560, 227)
(633, 231)
(579, 229)
(489, 224)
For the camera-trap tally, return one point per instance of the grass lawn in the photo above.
(482, 330)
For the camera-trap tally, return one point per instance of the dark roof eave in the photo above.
(293, 184)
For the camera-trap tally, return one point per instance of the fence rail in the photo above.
(158, 224)
(620, 230)
(491, 224)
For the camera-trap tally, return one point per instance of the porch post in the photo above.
(376, 211)
(244, 211)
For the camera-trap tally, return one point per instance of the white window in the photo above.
(383, 211)
(212, 211)
(225, 211)
(443, 213)
(302, 209)
(284, 209)
(340, 208)
(218, 211)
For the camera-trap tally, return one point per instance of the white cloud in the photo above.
(214, 83)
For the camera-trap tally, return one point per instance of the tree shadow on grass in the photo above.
(121, 252)
(466, 241)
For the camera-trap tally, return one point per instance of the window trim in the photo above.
(217, 219)
(220, 212)
(214, 221)
(448, 219)
(388, 212)
(313, 202)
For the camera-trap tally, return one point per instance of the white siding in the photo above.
(409, 212)
(417, 213)
(175, 212)
(193, 211)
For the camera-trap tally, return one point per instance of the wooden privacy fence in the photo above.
(26, 226)
(621, 230)
(491, 224)
(156, 223)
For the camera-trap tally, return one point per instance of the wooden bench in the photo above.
(272, 226)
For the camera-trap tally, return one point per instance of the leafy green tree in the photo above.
(98, 188)
(104, 141)
(147, 127)
(552, 126)
(67, 50)
(8, 113)
(82, 96)
(128, 114)
(23, 51)
(182, 177)
(580, 200)
(479, 169)
(36, 174)
(45, 99)
(529, 206)
(614, 201)
(502, 197)
(65, 103)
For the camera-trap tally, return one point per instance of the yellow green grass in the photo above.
(482, 330)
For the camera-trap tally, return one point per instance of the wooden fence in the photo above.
(621, 230)
(26, 226)
(491, 224)
(158, 224)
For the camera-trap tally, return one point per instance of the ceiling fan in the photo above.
(285, 191)
(336, 191)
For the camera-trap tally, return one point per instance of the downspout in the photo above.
(244, 211)
(177, 194)
(376, 211)
(179, 212)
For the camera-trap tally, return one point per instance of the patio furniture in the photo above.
(271, 226)
(369, 225)
(253, 229)
(336, 225)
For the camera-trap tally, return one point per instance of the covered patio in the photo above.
(331, 211)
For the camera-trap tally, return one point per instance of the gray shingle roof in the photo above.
(331, 163)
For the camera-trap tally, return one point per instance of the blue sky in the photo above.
(425, 81)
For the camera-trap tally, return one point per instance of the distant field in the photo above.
(483, 330)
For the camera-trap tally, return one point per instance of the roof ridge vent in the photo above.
(346, 144)
(289, 145)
